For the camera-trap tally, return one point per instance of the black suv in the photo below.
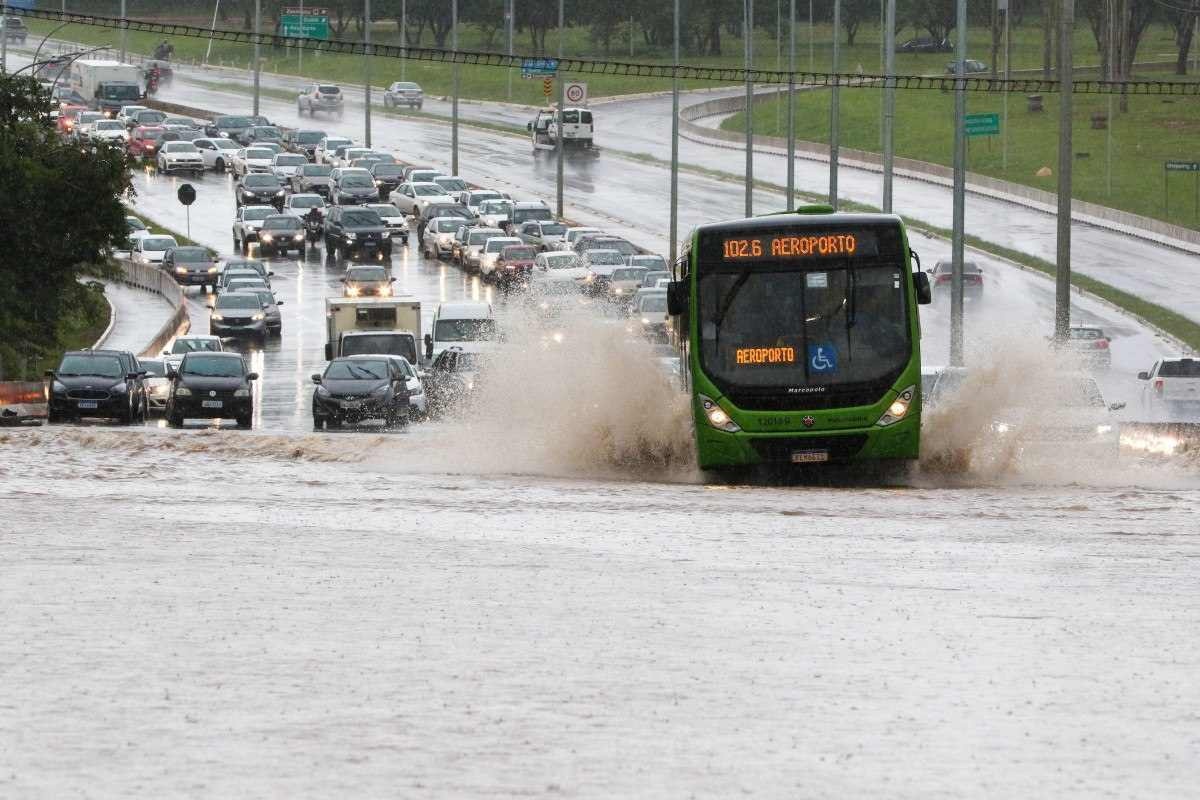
(211, 386)
(387, 177)
(356, 233)
(97, 383)
(258, 188)
(191, 266)
(304, 142)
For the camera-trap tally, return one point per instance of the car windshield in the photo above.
(290, 160)
(255, 213)
(496, 245)
(620, 245)
(407, 87)
(367, 274)
(329, 90)
(316, 171)
(309, 137)
(99, 366)
(495, 207)
(149, 117)
(260, 181)
(778, 327)
(427, 189)
(154, 368)
(423, 175)
(464, 330)
(186, 345)
(561, 262)
(126, 91)
(520, 252)
(212, 366)
(651, 278)
(553, 229)
(190, 255)
(629, 274)
(265, 297)
(180, 147)
(356, 370)
(266, 132)
(477, 198)
(379, 344)
(225, 144)
(575, 234)
(653, 303)
(451, 184)
(385, 210)
(362, 217)
(234, 122)
(649, 262)
(242, 301)
(605, 258)
(1181, 368)
(282, 223)
(90, 116)
(387, 170)
(158, 243)
(357, 182)
(527, 214)
(135, 224)
(109, 125)
(1087, 334)
(259, 153)
(446, 225)
(307, 201)
(481, 236)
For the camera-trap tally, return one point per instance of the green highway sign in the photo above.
(1182, 166)
(309, 26)
(981, 124)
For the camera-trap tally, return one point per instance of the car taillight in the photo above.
(943, 279)
(1158, 386)
(1101, 344)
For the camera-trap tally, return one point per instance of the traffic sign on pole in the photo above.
(981, 124)
(187, 196)
(576, 93)
(547, 86)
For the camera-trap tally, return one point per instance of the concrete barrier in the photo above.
(153, 279)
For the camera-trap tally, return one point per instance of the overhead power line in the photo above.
(582, 66)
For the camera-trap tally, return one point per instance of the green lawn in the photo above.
(493, 83)
(1155, 129)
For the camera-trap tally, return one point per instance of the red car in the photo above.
(66, 118)
(145, 141)
(515, 263)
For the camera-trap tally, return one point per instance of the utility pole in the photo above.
(367, 72)
(960, 189)
(511, 10)
(4, 38)
(1066, 73)
(558, 137)
(300, 55)
(454, 101)
(1112, 52)
(1007, 77)
(791, 108)
(674, 248)
(257, 57)
(124, 34)
(835, 106)
(889, 103)
(403, 38)
(811, 35)
(748, 34)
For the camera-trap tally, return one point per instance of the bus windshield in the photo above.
(780, 326)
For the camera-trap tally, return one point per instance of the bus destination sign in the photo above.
(774, 247)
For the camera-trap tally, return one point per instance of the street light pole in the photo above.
(748, 33)
(454, 101)
(558, 139)
(211, 31)
(835, 107)
(960, 183)
(367, 72)
(511, 10)
(300, 49)
(1066, 73)
(257, 57)
(4, 38)
(791, 108)
(124, 33)
(889, 103)
(403, 38)
(674, 248)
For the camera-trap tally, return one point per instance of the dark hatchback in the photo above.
(387, 177)
(238, 314)
(355, 190)
(258, 189)
(356, 233)
(211, 386)
(106, 384)
(355, 389)
(191, 266)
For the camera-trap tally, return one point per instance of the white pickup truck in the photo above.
(1172, 386)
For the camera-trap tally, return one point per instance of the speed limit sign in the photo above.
(575, 93)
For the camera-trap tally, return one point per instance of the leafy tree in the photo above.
(63, 213)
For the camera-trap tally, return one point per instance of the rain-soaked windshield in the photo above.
(212, 366)
(195, 345)
(357, 370)
(464, 330)
(98, 366)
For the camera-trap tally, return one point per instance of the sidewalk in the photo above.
(138, 316)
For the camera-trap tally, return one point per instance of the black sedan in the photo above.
(355, 389)
(279, 234)
(259, 189)
(353, 190)
(356, 233)
(97, 383)
(191, 266)
(211, 386)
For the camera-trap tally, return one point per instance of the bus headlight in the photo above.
(898, 410)
(717, 416)
(1103, 430)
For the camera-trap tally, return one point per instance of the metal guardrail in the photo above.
(153, 279)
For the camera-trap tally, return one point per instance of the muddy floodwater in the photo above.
(222, 613)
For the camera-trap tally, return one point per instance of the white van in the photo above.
(577, 129)
(471, 326)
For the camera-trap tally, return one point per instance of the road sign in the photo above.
(575, 93)
(981, 124)
(1182, 166)
(539, 67)
(187, 194)
(309, 26)
(547, 86)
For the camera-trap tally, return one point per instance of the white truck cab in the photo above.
(471, 326)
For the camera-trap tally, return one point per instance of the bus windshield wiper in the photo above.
(851, 309)
(726, 302)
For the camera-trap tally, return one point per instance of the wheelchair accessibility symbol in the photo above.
(822, 358)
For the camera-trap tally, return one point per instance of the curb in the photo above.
(112, 321)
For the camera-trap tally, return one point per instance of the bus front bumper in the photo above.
(717, 449)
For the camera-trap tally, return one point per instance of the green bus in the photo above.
(799, 339)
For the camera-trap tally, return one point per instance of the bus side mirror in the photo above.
(529, 126)
(924, 291)
(1143, 376)
(677, 298)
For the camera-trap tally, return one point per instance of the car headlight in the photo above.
(213, 270)
(279, 193)
(352, 291)
(216, 318)
(386, 234)
(183, 391)
(717, 416)
(351, 235)
(1001, 427)
(544, 306)
(257, 317)
(898, 410)
(242, 393)
(297, 237)
(266, 237)
(181, 271)
(322, 391)
(385, 291)
(381, 391)
(1101, 430)
(618, 290)
(57, 388)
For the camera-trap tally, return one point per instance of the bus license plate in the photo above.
(810, 456)
(88, 404)
(211, 404)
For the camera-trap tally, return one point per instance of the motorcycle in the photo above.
(314, 226)
(152, 83)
